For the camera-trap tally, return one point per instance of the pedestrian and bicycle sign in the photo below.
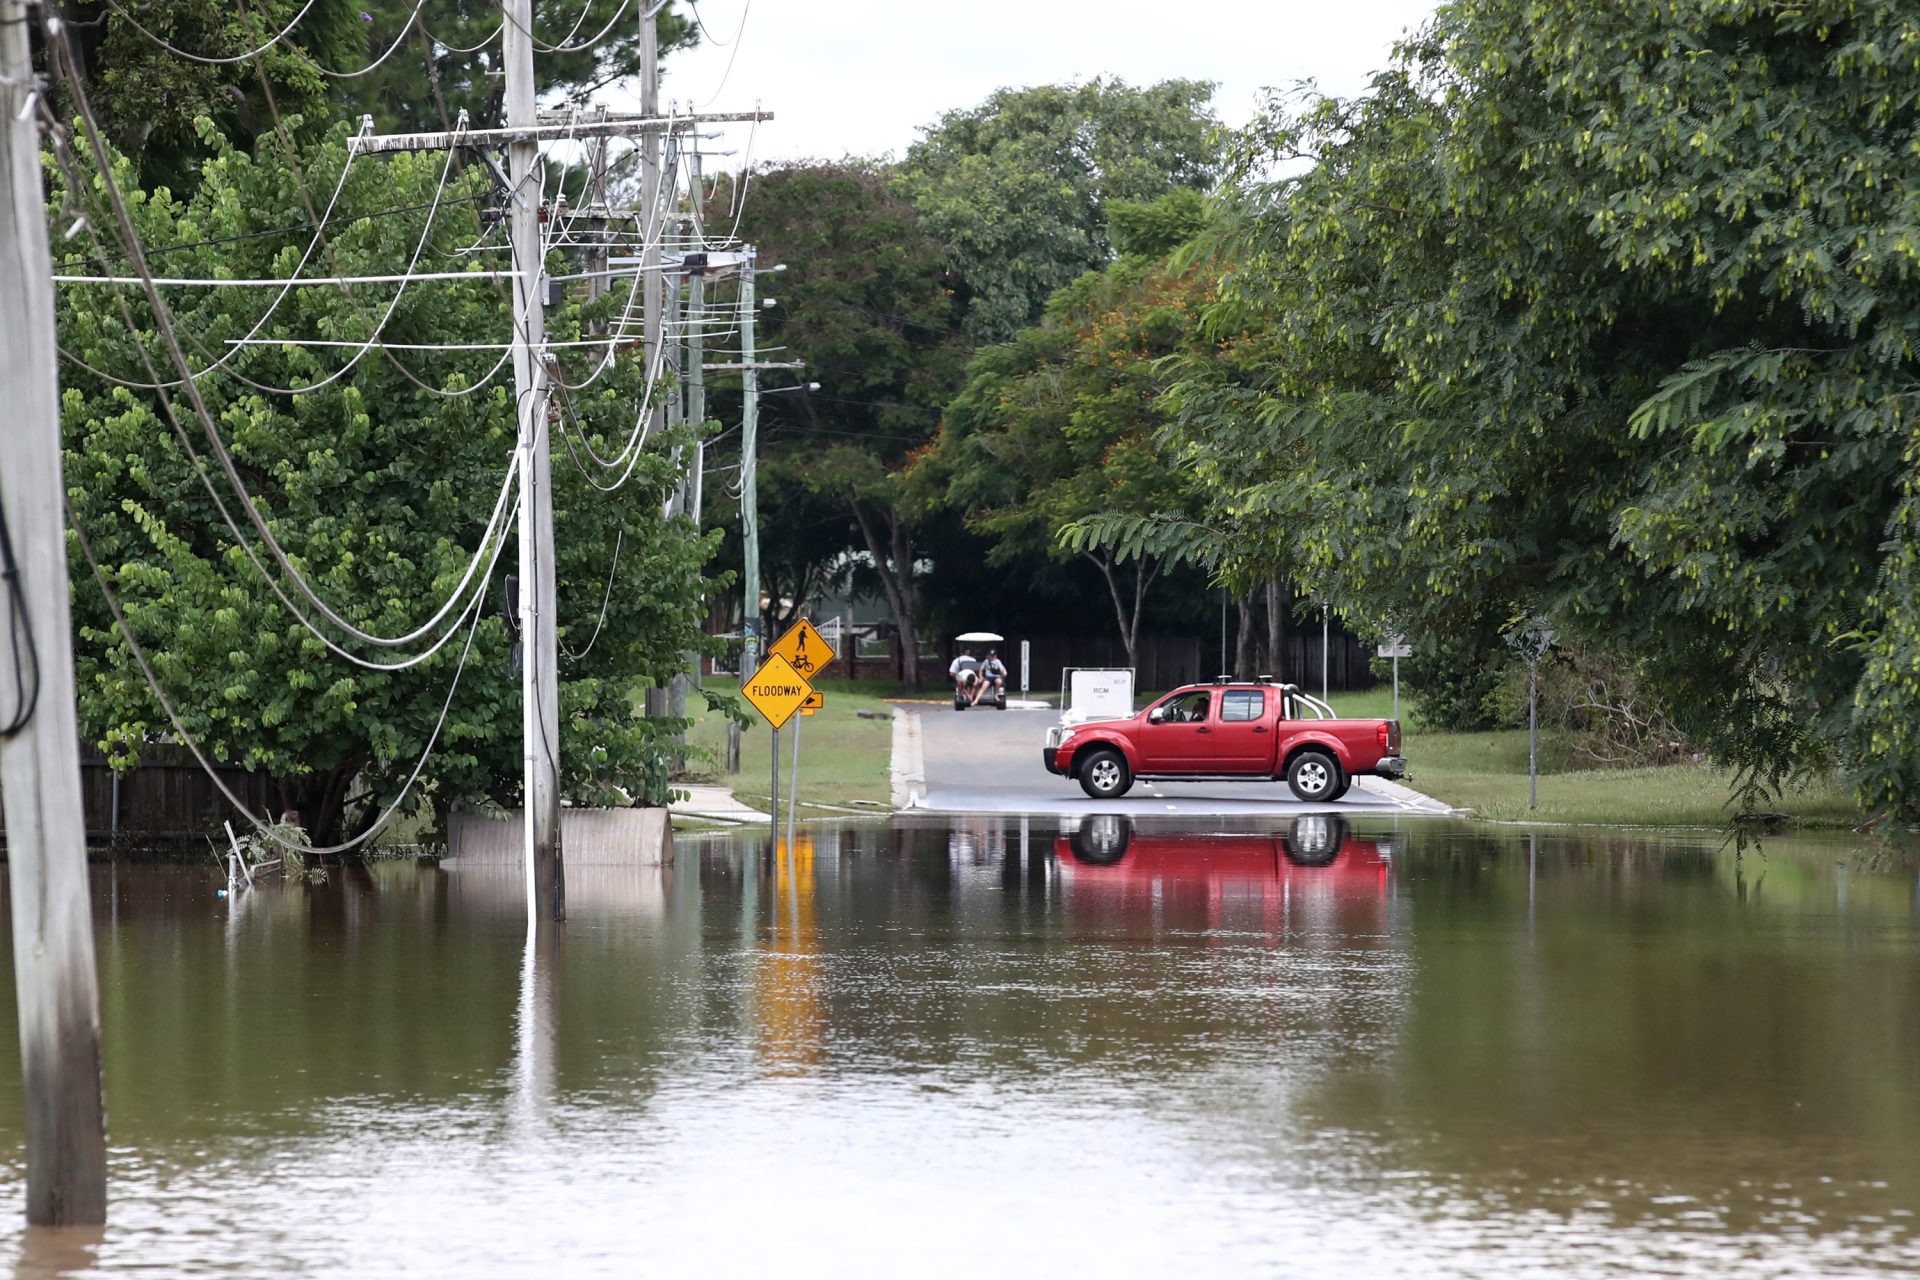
(1394, 646)
(776, 690)
(804, 648)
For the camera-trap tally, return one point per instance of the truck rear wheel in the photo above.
(1314, 777)
(1104, 775)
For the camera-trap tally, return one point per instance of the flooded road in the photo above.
(994, 1047)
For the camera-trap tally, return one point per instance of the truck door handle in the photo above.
(1203, 729)
(1259, 728)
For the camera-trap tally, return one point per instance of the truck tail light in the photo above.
(1388, 735)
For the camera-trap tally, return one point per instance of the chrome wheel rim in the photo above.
(1314, 778)
(1106, 775)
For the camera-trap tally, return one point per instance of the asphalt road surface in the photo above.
(986, 761)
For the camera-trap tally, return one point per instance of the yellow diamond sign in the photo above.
(776, 690)
(804, 647)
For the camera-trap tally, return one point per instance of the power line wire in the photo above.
(249, 55)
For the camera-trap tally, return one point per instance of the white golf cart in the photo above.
(963, 686)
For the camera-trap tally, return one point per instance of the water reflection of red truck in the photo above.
(1315, 851)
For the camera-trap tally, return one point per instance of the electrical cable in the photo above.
(605, 600)
(216, 62)
(19, 636)
(305, 257)
(735, 42)
(319, 225)
(347, 220)
(449, 48)
(600, 35)
(405, 29)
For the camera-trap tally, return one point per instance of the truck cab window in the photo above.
(1239, 705)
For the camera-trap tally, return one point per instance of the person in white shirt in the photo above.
(962, 670)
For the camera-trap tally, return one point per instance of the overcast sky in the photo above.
(863, 76)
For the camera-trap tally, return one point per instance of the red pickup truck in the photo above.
(1245, 731)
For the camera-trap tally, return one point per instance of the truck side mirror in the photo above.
(1156, 715)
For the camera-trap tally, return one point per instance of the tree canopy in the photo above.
(1607, 315)
(1065, 422)
(377, 470)
(1019, 188)
(865, 304)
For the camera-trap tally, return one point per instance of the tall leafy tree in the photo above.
(1064, 423)
(408, 65)
(865, 304)
(150, 97)
(1020, 187)
(1609, 314)
(377, 481)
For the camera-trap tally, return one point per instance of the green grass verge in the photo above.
(844, 758)
(1487, 772)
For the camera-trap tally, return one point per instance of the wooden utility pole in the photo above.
(749, 490)
(598, 283)
(696, 332)
(57, 988)
(540, 689)
(653, 225)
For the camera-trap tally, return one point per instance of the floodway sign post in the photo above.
(808, 653)
(776, 691)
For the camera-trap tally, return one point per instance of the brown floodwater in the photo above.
(990, 1048)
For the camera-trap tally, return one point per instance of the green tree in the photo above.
(149, 97)
(865, 305)
(1020, 187)
(408, 66)
(378, 482)
(1608, 314)
(1063, 423)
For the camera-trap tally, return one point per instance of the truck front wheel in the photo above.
(1314, 777)
(1104, 775)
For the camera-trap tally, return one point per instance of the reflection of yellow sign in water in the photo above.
(804, 647)
(776, 690)
(789, 977)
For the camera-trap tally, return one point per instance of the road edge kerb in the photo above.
(907, 774)
(1406, 797)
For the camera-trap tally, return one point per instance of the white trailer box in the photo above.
(1095, 693)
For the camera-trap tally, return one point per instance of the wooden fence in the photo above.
(167, 799)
